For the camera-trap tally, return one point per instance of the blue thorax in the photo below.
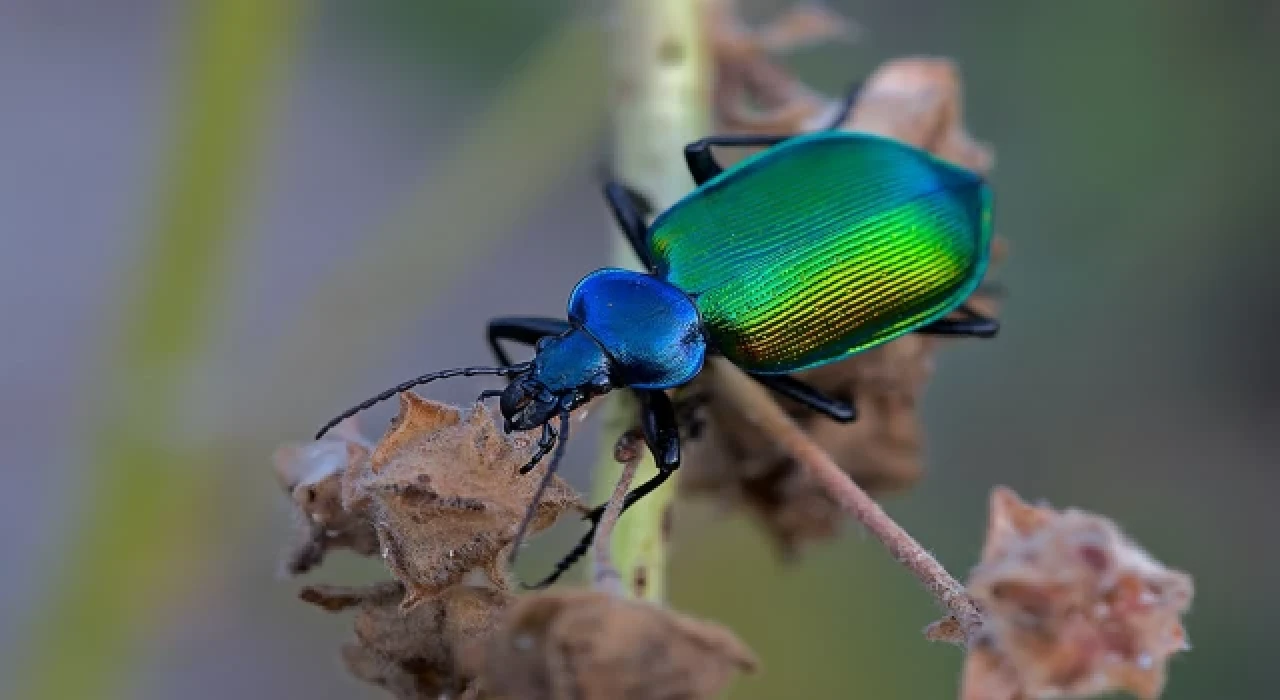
(570, 361)
(637, 330)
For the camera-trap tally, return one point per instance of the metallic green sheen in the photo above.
(825, 246)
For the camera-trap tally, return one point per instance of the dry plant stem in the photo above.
(629, 451)
(661, 100)
(761, 411)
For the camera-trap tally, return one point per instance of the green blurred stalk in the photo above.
(147, 476)
(662, 100)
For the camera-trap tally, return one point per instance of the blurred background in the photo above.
(225, 220)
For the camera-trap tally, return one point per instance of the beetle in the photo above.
(817, 248)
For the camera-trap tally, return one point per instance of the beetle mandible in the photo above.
(822, 246)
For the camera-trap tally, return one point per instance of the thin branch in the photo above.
(761, 411)
(629, 451)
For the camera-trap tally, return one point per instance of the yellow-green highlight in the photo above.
(147, 475)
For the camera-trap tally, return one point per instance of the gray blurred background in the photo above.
(412, 168)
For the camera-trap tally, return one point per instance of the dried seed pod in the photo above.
(589, 645)
(917, 100)
(1073, 607)
(413, 655)
(311, 473)
(443, 490)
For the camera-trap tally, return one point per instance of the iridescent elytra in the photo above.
(820, 247)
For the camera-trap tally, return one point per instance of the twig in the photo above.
(761, 411)
(628, 451)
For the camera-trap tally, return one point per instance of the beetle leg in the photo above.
(630, 208)
(545, 443)
(531, 510)
(702, 164)
(975, 326)
(661, 432)
(689, 414)
(642, 204)
(662, 435)
(846, 107)
(809, 396)
(526, 330)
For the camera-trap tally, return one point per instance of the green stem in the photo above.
(147, 472)
(662, 100)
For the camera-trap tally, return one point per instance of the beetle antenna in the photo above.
(445, 374)
(562, 440)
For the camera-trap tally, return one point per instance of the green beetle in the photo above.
(818, 248)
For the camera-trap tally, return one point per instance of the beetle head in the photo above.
(567, 371)
(527, 404)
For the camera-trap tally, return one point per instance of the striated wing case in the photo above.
(824, 247)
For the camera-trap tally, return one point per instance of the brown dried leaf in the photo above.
(311, 473)
(917, 100)
(589, 645)
(1073, 607)
(413, 654)
(443, 488)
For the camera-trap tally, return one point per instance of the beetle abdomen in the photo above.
(649, 328)
(826, 246)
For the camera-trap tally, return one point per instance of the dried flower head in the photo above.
(590, 645)
(1073, 607)
(916, 100)
(413, 654)
(443, 491)
(311, 473)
